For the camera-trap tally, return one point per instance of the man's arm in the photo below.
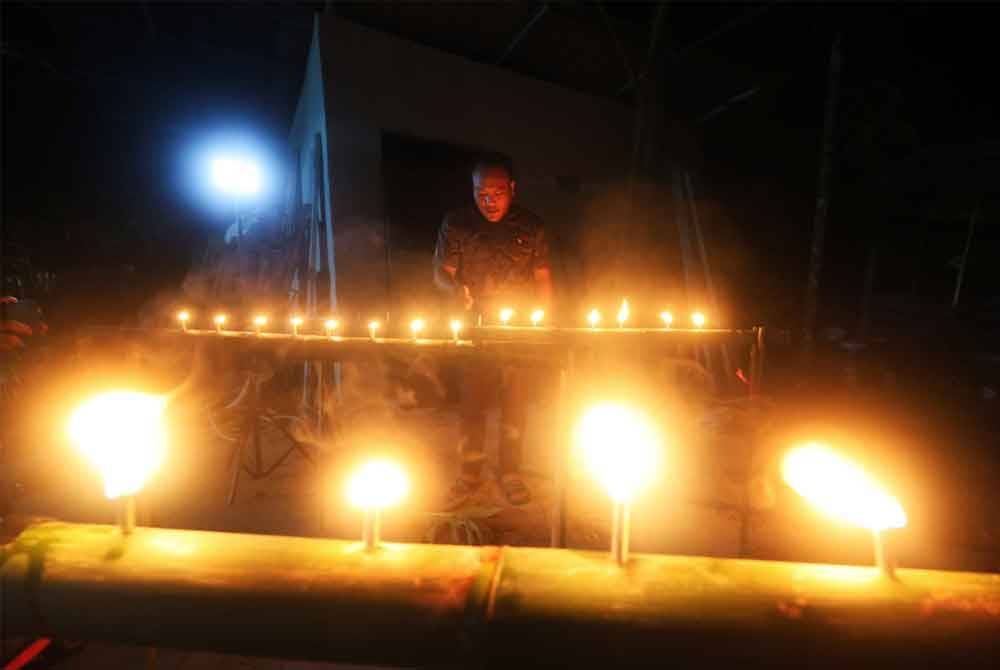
(447, 254)
(542, 269)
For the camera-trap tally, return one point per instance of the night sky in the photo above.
(99, 104)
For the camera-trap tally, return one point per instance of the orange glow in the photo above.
(259, 322)
(537, 316)
(416, 326)
(122, 434)
(667, 318)
(505, 314)
(184, 316)
(594, 318)
(620, 447)
(377, 485)
(840, 489)
(456, 328)
(623, 313)
(373, 327)
(330, 325)
(698, 319)
(220, 320)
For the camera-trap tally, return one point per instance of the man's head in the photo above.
(493, 187)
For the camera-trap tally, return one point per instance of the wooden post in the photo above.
(822, 202)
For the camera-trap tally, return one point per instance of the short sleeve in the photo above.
(540, 261)
(448, 250)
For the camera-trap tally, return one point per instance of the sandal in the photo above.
(460, 492)
(515, 490)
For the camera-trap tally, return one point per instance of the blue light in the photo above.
(234, 170)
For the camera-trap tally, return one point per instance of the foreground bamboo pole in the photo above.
(315, 599)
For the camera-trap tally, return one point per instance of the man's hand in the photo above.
(445, 278)
(12, 331)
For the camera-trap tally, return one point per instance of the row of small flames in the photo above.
(417, 326)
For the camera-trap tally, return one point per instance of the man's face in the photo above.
(493, 190)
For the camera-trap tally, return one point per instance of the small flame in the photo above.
(183, 316)
(505, 315)
(667, 317)
(537, 316)
(594, 318)
(456, 327)
(623, 313)
(416, 326)
(698, 319)
(296, 321)
(377, 485)
(220, 319)
(373, 326)
(330, 325)
(260, 321)
(840, 489)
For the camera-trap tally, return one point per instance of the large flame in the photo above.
(840, 489)
(620, 447)
(123, 435)
(377, 485)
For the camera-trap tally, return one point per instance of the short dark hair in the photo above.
(494, 160)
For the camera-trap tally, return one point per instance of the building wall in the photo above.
(375, 83)
(309, 147)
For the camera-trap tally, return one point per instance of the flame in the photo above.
(183, 316)
(122, 434)
(373, 326)
(667, 317)
(416, 326)
(620, 447)
(623, 313)
(505, 315)
(260, 321)
(377, 485)
(330, 325)
(840, 489)
(698, 319)
(456, 327)
(220, 319)
(537, 316)
(296, 321)
(594, 318)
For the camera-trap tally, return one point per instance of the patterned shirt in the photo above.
(495, 260)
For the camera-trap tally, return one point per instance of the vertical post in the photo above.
(371, 529)
(557, 529)
(620, 530)
(881, 556)
(822, 202)
(965, 257)
(126, 511)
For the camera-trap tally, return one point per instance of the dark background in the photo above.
(101, 101)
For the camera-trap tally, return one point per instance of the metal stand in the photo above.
(250, 440)
(557, 528)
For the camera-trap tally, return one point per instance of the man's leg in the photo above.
(478, 388)
(513, 401)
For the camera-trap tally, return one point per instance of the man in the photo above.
(490, 256)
